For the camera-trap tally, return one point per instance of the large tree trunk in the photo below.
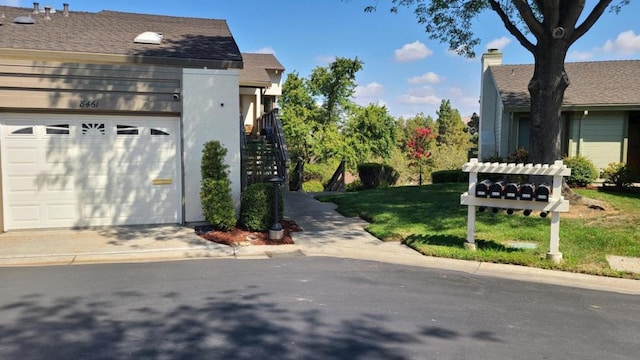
(546, 89)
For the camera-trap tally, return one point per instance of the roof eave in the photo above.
(101, 58)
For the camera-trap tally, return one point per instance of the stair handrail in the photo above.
(269, 124)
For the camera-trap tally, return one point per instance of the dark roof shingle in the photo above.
(256, 66)
(599, 83)
(112, 33)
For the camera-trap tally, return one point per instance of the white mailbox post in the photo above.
(555, 204)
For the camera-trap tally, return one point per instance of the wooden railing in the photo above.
(270, 126)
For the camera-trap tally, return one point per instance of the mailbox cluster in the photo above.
(512, 191)
(511, 196)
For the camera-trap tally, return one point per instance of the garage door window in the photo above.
(58, 129)
(21, 130)
(126, 130)
(156, 132)
(93, 129)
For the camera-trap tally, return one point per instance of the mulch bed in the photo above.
(241, 237)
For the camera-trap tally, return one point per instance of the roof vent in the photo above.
(27, 20)
(148, 37)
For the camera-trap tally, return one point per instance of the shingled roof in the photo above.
(255, 69)
(597, 83)
(186, 41)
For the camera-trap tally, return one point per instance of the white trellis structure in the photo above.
(555, 205)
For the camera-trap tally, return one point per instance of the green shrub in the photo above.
(520, 156)
(354, 185)
(583, 172)
(494, 159)
(448, 176)
(256, 207)
(618, 174)
(212, 165)
(217, 204)
(215, 191)
(373, 175)
(312, 186)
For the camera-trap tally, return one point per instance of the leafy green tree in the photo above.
(473, 126)
(370, 132)
(547, 29)
(452, 142)
(334, 86)
(451, 128)
(298, 112)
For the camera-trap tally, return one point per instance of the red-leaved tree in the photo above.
(419, 148)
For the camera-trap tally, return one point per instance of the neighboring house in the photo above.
(97, 128)
(260, 87)
(600, 112)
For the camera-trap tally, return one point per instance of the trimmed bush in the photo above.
(448, 176)
(374, 175)
(520, 156)
(256, 207)
(215, 190)
(212, 165)
(583, 172)
(217, 204)
(619, 174)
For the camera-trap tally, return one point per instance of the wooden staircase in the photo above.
(265, 155)
(260, 160)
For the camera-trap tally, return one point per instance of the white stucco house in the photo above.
(600, 112)
(103, 116)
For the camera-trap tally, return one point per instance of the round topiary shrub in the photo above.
(583, 172)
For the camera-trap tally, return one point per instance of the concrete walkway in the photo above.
(325, 233)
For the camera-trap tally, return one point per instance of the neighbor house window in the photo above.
(524, 130)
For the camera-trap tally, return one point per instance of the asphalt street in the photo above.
(303, 308)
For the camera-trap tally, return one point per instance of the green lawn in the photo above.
(431, 220)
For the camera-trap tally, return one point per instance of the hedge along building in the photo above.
(103, 116)
(600, 112)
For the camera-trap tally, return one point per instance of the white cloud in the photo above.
(424, 95)
(500, 43)
(580, 55)
(369, 94)
(10, 2)
(428, 78)
(369, 91)
(627, 43)
(411, 52)
(265, 50)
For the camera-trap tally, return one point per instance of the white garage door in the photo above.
(68, 171)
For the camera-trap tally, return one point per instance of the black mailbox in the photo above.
(482, 188)
(496, 190)
(542, 192)
(527, 191)
(511, 191)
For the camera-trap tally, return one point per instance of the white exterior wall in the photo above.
(211, 101)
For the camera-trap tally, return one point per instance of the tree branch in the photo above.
(595, 14)
(495, 6)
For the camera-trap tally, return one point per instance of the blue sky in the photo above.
(403, 68)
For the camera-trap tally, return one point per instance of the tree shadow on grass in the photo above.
(456, 242)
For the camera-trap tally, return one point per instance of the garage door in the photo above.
(69, 171)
